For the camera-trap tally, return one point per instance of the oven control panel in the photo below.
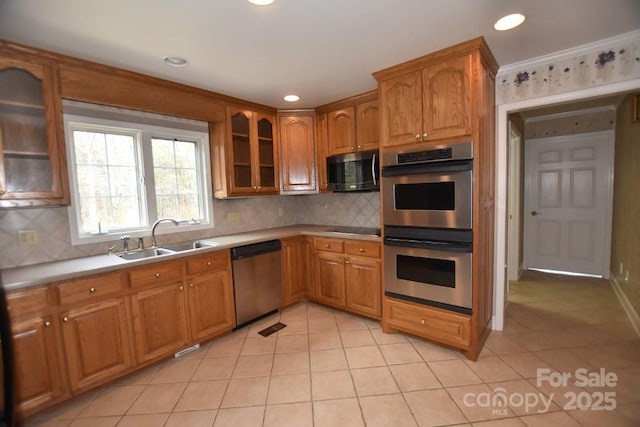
(425, 156)
(441, 153)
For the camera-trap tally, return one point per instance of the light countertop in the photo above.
(37, 274)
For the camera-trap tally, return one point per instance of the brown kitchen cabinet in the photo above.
(38, 370)
(251, 155)
(341, 130)
(367, 125)
(32, 154)
(430, 104)
(347, 275)
(209, 295)
(322, 151)
(297, 153)
(296, 271)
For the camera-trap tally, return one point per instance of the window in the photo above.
(126, 175)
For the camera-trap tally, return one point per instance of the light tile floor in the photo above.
(329, 368)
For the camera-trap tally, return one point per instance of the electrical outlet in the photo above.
(280, 211)
(234, 217)
(28, 238)
(626, 276)
(621, 269)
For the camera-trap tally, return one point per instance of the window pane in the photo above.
(189, 206)
(185, 154)
(163, 153)
(187, 181)
(108, 180)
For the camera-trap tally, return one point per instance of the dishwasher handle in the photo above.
(255, 249)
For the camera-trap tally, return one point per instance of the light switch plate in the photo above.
(28, 238)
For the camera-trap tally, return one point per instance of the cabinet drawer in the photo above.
(207, 263)
(27, 301)
(438, 325)
(329, 245)
(91, 288)
(362, 248)
(162, 272)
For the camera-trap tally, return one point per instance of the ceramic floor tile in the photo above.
(602, 418)
(41, 421)
(218, 368)
(433, 408)
(563, 360)
(148, 420)
(176, 371)
(253, 366)
(342, 412)
(452, 373)
(328, 360)
(324, 341)
(261, 345)
(503, 344)
(551, 419)
(240, 417)
(157, 398)
(191, 419)
(246, 392)
(414, 376)
(536, 400)
(289, 389)
(396, 354)
(294, 328)
(387, 410)
(225, 348)
(477, 403)
(351, 323)
(96, 422)
(289, 415)
(382, 338)
(371, 381)
(364, 357)
(292, 343)
(492, 369)
(357, 338)
(202, 395)
(525, 364)
(290, 363)
(331, 385)
(322, 325)
(432, 352)
(72, 409)
(504, 422)
(115, 400)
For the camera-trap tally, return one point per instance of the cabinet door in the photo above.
(322, 150)
(363, 286)
(37, 368)
(341, 131)
(296, 275)
(160, 321)
(329, 286)
(401, 109)
(368, 125)
(31, 140)
(447, 99)
(297, 152)
(241, 175)
(97, 342)
(211, 309)
(266, 161)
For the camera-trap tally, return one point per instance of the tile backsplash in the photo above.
(52, 224)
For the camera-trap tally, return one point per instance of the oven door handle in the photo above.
(438, 167)
(430, 244)
(373, 169)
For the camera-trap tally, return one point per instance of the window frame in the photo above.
(146, 132)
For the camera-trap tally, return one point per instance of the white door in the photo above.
(568, 203)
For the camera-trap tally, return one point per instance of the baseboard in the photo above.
(632, 314)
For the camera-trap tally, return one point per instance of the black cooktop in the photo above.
(356, 230)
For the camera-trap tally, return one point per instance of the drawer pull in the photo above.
(422, 322)
(181, 287)
(191, 285)
(361, 250)
(92, 290)
(347, 262)
(157, 274)
(65, 319)
(47, 324)
(326, 245)
(209, 263)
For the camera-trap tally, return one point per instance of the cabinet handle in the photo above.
(157, 274)
(424, 136)
(361, 250)
(326, 245)
(47, 324)
(65, 319)
(191, 285)
(347, 262)
(284, 186)
(181, 287)
(209, 263)
(259, 188)
(353, 148)
(418, 137)
(422, 322)
(359, 146)
(92, 290)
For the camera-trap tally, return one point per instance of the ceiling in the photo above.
(322, 50)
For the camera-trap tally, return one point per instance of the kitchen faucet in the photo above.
(153, 229)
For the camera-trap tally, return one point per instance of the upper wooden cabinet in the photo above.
(248, 154)
(322, 151)
(32, 161)
(429, 104)
(297, 153)
(352, 124)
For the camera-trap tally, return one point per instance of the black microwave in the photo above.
(354, 172)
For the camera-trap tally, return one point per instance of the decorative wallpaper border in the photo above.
(607, 61)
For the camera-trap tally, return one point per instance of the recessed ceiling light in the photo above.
(508, 22)
(292, 98)
(261, 2)
(176, 61)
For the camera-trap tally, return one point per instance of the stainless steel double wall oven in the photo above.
(427, 211)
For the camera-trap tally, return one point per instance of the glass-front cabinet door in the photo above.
(30, 136)
(241, 152)
(266, 161)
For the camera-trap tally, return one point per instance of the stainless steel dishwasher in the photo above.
(257, 280)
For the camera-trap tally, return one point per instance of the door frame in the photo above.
(502, 113)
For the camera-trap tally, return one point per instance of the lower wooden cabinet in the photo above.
(345, 280)
(439, 325)
(96, 342)
(211, 309)
(37, 369)
(296, 271)
(160, 321)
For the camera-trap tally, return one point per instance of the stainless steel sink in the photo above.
(146, 253)
(187, 246)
